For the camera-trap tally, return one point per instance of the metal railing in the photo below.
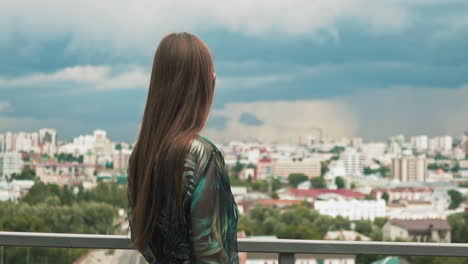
(286, 248)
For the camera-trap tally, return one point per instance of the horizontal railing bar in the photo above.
(24, 239)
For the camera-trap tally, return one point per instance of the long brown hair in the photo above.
(179, 100)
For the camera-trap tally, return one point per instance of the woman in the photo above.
(181, 206)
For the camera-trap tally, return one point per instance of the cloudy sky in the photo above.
(352, 67)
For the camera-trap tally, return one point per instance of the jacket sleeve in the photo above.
(214, 215)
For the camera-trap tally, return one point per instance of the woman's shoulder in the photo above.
(202, 152)
(202, 145)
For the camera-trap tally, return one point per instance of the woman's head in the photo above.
(182, 84)
(179, 100)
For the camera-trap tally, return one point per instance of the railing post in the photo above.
(286, 258)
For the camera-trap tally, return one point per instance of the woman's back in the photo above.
(206, 232)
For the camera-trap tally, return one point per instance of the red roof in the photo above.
(265, 159)
(314, 193)
(405, 189)
(279, 202)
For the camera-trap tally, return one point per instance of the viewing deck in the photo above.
(286, 248)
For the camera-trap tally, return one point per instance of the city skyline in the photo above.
(353, 68)
(414, 140)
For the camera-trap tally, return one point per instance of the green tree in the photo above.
(455, 199)
(318, 182)
(385, 196)
(295, 178)
(364, 227)
(337, 150)
(109, 165)
(340, 182)
(49, 208)
(459, 224)
(324, 169)
(263, 185)
(384, 171)
(251, 166)
(237, 167)
(26, 174)
(118, 146)
(298, 232)
(368, 171)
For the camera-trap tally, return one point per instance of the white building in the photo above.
(253, 156)
(421, 193)
(27, 142)
(245, 173)
(97, 144)
(442, 144)
(356, 142)
(420, 143)
(346, 235)
(14, 190)
(9, 142)
(10, 162)
(2, 143)
(102, 144)
(353, 161)
(21, 141)
(352, 209)
(373, 151)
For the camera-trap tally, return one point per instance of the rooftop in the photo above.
(314, 193)
(421, 224)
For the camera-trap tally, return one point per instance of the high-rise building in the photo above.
(2, 143)
(373, 151)
(356, 142)
(27, 142)
(446, 143)
(396, 144)
(102, 144)
(120, 159)
(10, 162)
(442, 144)
(410, 169)
(48, 140)
(9, 142)
(464, 142)
(48, 135)
(353, 161)
(420, 143)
